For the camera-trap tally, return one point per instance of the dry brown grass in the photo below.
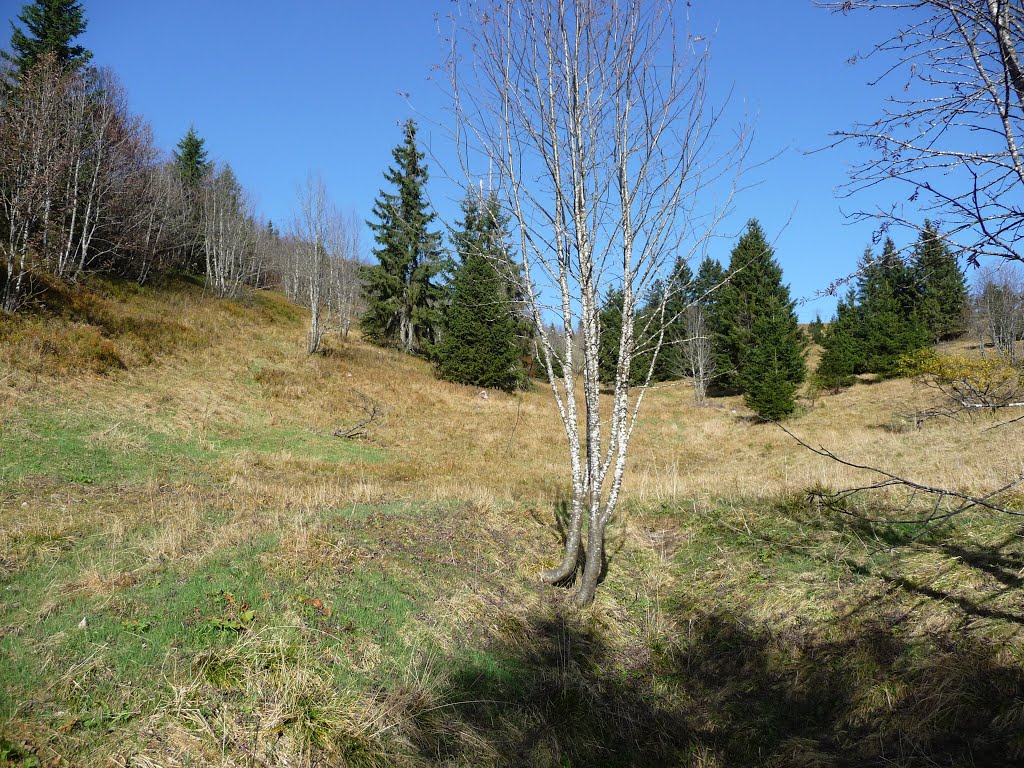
(445, 443)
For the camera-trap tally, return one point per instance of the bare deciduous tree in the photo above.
(232, 237)
(999, 310)
(344, 246)
(28, 177)
(311, 260)
(593, 115)
(952, 135)
(698, 351)
(320, 269)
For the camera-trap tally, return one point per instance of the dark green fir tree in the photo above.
(191, 162)
(890, 325)
(480, 345)
(816, 329)
(664, 316)
(942, 286)
(50, 27)
(769, 387)
(708, 282)
(191, 159)
(610, 318)
(755, 292)
(404, 300)
(842, 353)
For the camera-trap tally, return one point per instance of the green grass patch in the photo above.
(74, 447)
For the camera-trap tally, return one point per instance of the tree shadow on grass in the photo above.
(727, 691)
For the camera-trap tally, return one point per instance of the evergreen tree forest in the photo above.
(895, 309)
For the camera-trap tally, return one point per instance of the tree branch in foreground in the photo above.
(943, 503)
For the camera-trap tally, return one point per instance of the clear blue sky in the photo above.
(278, 89)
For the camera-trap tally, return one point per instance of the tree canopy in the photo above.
(50, 27)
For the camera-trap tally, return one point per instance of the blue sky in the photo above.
(279, 89)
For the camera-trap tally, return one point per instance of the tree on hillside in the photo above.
(701, 322)
(480, 346)
(754, 291)
(941, 285)
(610, 320)
(192, 165)
(999, 311)
(890, 321)
(665, 314)
(232, 238)
(311, 234)
(592, 116)
(842, 351)
(403, 299)
(769, 387)
(51, 27)
(191, 160)
(816, 329)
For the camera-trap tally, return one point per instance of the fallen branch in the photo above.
(373, 413)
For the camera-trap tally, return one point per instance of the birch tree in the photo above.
(344, 247)
(699, 351)
(28, 173)
(951, 132)
(594, 117)
(311, 233)
(231, 235)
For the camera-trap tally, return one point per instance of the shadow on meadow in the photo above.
(726, 691)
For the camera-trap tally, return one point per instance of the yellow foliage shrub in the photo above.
(971, 381)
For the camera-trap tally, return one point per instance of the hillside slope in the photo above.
(195, 571)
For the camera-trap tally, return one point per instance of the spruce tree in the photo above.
(191, 162)
(401, 291)
(480, 345)
(941, 285)
(706, 285)
(753, 292)
(816, 329)
(191, 159)
(842, 350)
(890, 325)
(611, 336)
(50, 28)
(670, 363)
(769, 388)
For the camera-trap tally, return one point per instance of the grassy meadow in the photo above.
(195, 572)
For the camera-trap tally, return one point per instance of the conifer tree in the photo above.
(191, 159)
(890, 325)
(842, 350)
(401, 291)
(191, 162)
(816, 329)
(480, 345)
(50, 28)
(941, 285)
(769, 388)
(710, 278)
(611, 335)
(753, 292)
(699, 344)
(666, 309)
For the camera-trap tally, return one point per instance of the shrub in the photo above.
(971, 382)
